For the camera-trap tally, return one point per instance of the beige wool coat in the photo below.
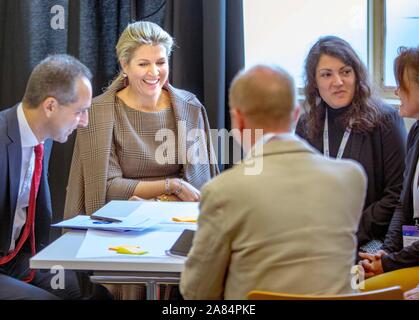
(291, 228)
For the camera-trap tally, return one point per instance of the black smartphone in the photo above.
(183, 244)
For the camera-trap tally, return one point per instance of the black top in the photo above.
(336, 131)
(381, 153)
(399, 257)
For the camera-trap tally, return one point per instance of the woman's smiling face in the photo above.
(148, 70)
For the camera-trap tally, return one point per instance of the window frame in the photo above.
(376, 41)
(376, 29)
(376, 49)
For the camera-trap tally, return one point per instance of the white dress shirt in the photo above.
(28, 141)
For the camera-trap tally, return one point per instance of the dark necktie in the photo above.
(29, 229)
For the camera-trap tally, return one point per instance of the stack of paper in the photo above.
(134, 216)
(149, 225)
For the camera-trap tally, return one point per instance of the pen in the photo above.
(108, 219)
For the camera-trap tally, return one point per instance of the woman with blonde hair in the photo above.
(141, 132)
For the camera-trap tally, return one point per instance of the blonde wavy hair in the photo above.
(136, 35)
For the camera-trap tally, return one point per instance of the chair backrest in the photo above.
(407, 278)
(391, 293)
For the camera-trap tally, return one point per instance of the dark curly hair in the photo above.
(364, 110)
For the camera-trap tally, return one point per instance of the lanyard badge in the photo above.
(342, 146)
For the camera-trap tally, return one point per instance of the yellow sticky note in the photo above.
(127, 249)
(184, 219)
(116, 248)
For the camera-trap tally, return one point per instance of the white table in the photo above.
(125, 270)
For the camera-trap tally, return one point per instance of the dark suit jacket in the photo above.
(398, 256)
(10, 166)
(382, 154)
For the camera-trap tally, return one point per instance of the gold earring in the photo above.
(125, 76)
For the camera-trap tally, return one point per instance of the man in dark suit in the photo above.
(57, 97)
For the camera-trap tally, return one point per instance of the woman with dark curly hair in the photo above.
(344, 120)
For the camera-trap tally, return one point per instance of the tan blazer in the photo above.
(86, 190)
(292, 228)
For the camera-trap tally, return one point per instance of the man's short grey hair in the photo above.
(265, 93)
(56, 76)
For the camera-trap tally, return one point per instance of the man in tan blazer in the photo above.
(283, 220)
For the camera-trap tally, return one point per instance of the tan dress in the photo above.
(136, 154)
(89, 178)
(110, 156)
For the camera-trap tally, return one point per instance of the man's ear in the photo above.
(238, 119)
(48, 106)
(296, 114)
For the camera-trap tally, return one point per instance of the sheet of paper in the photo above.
(146, 215)
(117, 209)
(137, 223)
(84, 222)
(168, 210)
(155, 241)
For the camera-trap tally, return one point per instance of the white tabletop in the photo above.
(63, 251)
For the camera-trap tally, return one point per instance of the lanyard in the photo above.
(415, 194)
(326, 139)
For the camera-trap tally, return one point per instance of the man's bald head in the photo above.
(265, 94)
